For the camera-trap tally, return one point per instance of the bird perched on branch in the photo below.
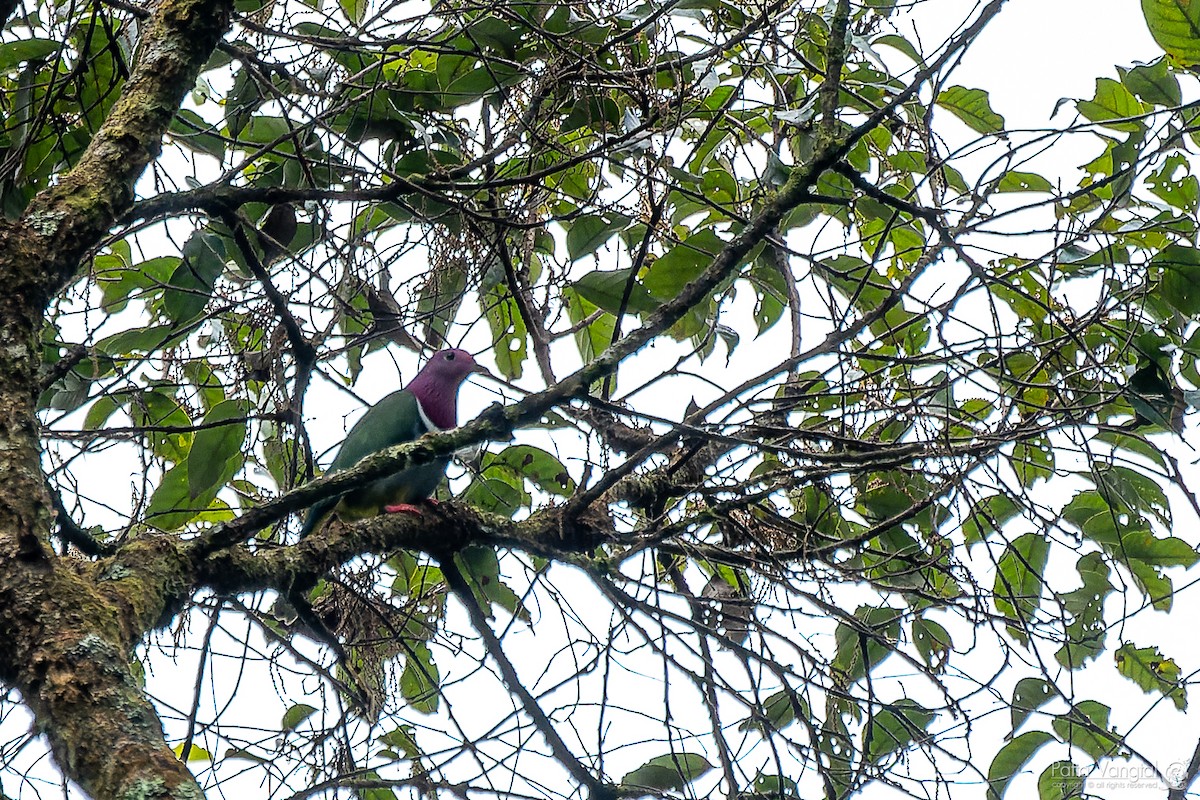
(428, 403)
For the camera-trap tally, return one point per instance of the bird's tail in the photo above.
(317, 515)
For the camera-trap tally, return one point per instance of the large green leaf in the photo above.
(1086, 726)
(1012, 758)
(191, 284)
(216, 453)
(1062, 780)
(972, 107)
(1029, 695)
(420, 681)
(13, 53)
(1175, 25)
(672, 771)
(607, 289)
(1153, 83)
(895, 727)
(682, 264)
(1180, 285)
(587, 233)
(1113, 106)
(864, 645)
(1018, 584)
(509, 332)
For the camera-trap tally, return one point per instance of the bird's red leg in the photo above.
(402, 508)
(408, 508)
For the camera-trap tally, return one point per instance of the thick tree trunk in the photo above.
(67, 629)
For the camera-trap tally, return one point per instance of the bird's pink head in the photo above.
(436, 385)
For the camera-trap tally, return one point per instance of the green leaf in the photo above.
(295, 715)
(1128, 538)
(1087, 630)
(104, 407)
(1180, 284)
(1061, 780)
(501, 494)
(355, 10)
(1012, 758)
(778, 711)
(141, 340)
(216, 453)
(1086, 727)
(539, 467)
(895, 727)
(1146, 667)
(773, 787)
(402, 738)
(595, 336)
(932, 642)
(172, 505)
(118, 281)
(245, 755)
(420, 681)
(589, 231)
(771, 289)
(988, 516)
(1029, 695)
(509, 333)
(972, 107)
(1134, 444)
(374, 792)
(1015, 181)
(1113, 106)
(13, 53)
(194, 132)
(191, 284)
(1122, 487)
(862, 647)
(1018, 584)
(482, 567)
(682, 264)
(668, 772)
(901, 44)
(1175, 25)
(1033, 461)
(1153, 83)
(605, 290)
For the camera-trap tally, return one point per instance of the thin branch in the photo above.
(458, 584)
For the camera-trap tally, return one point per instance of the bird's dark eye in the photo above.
(449, 356)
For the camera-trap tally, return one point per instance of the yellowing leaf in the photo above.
(195, 752)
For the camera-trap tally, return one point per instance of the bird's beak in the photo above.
(482, 370)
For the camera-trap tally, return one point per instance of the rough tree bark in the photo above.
(68, 628)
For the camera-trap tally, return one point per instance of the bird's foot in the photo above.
(402, 508)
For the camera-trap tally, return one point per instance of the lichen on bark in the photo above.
(68, 630)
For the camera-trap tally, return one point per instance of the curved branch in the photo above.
(69, 218)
